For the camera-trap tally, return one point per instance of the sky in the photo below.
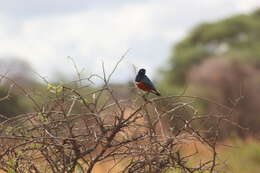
(46, 32)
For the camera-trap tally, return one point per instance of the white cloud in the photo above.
(248, 5)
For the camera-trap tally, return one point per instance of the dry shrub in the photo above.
(59, 138)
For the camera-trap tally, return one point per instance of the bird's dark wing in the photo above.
(148, 83)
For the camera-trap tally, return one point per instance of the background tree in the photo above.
(12, 102)
(221, 61)
(237, 37)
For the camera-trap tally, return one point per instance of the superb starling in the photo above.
(144, 83)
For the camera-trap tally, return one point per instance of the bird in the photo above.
(144, 83)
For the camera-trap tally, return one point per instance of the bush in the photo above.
(74, 130)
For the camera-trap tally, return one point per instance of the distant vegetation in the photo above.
(236, 38)
(221, 61)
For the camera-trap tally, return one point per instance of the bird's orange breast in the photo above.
(142, 86)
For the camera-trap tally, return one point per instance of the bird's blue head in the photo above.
(140, 74)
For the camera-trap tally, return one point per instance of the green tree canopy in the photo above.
(221, 61)
(235, 37)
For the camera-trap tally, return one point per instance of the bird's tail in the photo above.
(156, 92)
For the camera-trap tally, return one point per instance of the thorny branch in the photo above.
(59, 138)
